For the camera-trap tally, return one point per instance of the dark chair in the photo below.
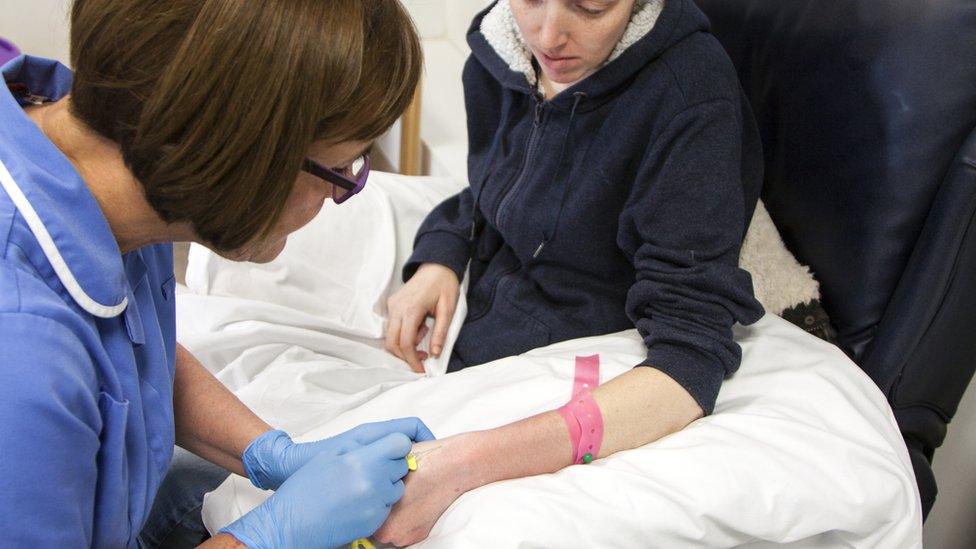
(868, 116)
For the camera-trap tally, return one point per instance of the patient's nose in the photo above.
(553, 33)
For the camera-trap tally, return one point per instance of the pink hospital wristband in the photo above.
(582, 413)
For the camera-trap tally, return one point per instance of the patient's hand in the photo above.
(451, 466)
(432, 291)
(441, 477)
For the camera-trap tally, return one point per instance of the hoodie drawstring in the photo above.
(551, 232)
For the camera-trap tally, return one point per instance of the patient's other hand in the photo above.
(441, 477)
(432, 291)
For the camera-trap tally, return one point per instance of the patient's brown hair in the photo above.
(215, 102)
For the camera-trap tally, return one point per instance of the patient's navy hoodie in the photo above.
(620, 202)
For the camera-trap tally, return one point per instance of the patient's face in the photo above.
(571, 39)
(304, 203)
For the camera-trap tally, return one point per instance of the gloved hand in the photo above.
(331, 501)
(272, 457)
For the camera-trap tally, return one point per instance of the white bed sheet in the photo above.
(802, 449)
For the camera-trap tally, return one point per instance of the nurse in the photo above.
(222, 122)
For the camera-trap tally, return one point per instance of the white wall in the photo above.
(445, 19)
(40, 27)
(443, 25)
(952, 522)
(37, 27)
(458, 16)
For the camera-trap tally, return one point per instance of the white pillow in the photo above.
(340, 268)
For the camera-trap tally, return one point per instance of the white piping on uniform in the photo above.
(53, 254)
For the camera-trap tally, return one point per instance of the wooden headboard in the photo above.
(411, 147)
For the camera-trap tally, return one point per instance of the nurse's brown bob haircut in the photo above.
(215, 102)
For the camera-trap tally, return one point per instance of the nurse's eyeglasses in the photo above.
(346, 183)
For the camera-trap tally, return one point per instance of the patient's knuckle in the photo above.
(414, 318)
(404, 539)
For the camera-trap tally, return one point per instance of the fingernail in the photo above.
(437, 350)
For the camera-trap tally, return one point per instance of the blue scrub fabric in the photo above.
(87, 345)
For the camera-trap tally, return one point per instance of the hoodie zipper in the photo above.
(526, 161)
(506, 198)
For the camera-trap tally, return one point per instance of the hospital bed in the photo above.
(803, 449)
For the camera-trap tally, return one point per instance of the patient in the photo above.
(614, 166)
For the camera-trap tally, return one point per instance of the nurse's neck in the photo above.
(99, 162)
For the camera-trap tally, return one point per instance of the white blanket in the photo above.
(802, 448)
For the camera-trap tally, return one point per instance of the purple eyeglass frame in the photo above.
(339, 181)
(8, 51)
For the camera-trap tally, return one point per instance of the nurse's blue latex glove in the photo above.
(272, 457)
(331, 501)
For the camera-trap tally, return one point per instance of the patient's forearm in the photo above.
(210, 421)
(642, 406)
(638, 407)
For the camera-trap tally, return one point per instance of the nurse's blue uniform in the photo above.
(87, 343)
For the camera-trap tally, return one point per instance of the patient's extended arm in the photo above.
(638, 407)
(210, 421)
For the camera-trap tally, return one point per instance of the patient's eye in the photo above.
(593, 8)
(588, 7)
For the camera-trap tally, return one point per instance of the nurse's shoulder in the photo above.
(41, 334)
(37, 317)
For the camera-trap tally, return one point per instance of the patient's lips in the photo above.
(558, 63)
